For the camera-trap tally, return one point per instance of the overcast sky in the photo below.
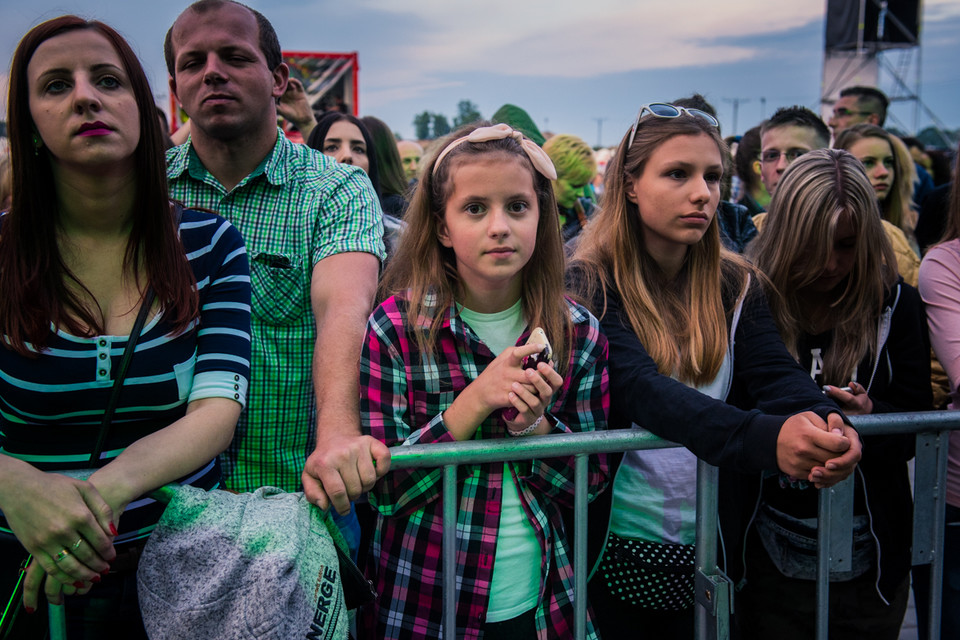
(569, 64)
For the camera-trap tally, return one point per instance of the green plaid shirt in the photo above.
(293, 210)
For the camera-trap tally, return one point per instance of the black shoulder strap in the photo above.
(125, 360)
(121, 375)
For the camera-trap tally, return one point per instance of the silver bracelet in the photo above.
(528, 430)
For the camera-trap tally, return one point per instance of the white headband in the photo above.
(541, 161)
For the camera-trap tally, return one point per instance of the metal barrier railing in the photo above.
(713, 588)
(835, 540)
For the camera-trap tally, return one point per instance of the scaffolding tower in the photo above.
(876, 43)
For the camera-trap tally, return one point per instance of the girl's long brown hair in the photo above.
(34, 288)
(425, 272)
(680, 322)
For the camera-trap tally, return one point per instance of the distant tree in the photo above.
(936, 139)
(441, 126)
(421, 125)
(467, 112)
(897, 132)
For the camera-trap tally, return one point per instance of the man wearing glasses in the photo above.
(856, 105)
(787, 135)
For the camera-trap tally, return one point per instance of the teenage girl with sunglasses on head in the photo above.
(688, 329)
(479, 268)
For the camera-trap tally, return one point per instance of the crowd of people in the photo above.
(244, 310)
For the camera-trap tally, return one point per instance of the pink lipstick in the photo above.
(94, 129)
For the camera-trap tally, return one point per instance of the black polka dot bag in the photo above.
(649, 575)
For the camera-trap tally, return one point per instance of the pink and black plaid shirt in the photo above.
(401, 402)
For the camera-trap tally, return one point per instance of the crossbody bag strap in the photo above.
(121, 375)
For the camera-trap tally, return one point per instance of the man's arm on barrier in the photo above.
(345, 463)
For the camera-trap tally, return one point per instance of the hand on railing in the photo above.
(823, 452)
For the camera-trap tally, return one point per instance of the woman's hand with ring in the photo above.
(50, 513)
(54, 590)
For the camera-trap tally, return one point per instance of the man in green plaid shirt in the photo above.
(313, 231)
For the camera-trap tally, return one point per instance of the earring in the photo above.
(37, 143)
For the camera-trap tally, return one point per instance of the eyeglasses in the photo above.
(664, 110)
(772, 156)
(843, 113)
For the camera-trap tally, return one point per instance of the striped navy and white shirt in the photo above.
(51, 406)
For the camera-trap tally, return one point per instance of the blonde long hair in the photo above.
(424, 272)
(682, 322)
(816, 191)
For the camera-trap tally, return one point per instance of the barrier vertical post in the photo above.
(57, 620)
(450, 506)
(939, 525)
(823, 564)
(580, 568)
(712, 590)
(926, 500)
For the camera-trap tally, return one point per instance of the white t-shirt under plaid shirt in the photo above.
(296, 208)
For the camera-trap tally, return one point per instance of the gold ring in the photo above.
(76, 545)
(60, 556)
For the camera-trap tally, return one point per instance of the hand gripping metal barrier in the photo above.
(713, 588)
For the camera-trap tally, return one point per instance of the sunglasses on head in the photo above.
(664, 110)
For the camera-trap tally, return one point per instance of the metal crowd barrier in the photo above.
(713, 588)
(835, 541)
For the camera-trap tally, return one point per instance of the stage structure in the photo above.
(329, 78)
(874, 43)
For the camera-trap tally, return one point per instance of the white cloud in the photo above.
(535, 38)
(936, 10)
(378, 97)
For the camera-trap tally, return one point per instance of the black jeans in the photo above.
(523, 627)
(771, 605)
(616, 619)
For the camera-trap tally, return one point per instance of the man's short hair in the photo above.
(797, 116)
(869, 99)
(748, 152)
(696, 101)
(912, 142)
(269, 43)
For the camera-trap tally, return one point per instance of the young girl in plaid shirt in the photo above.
(478, 268)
